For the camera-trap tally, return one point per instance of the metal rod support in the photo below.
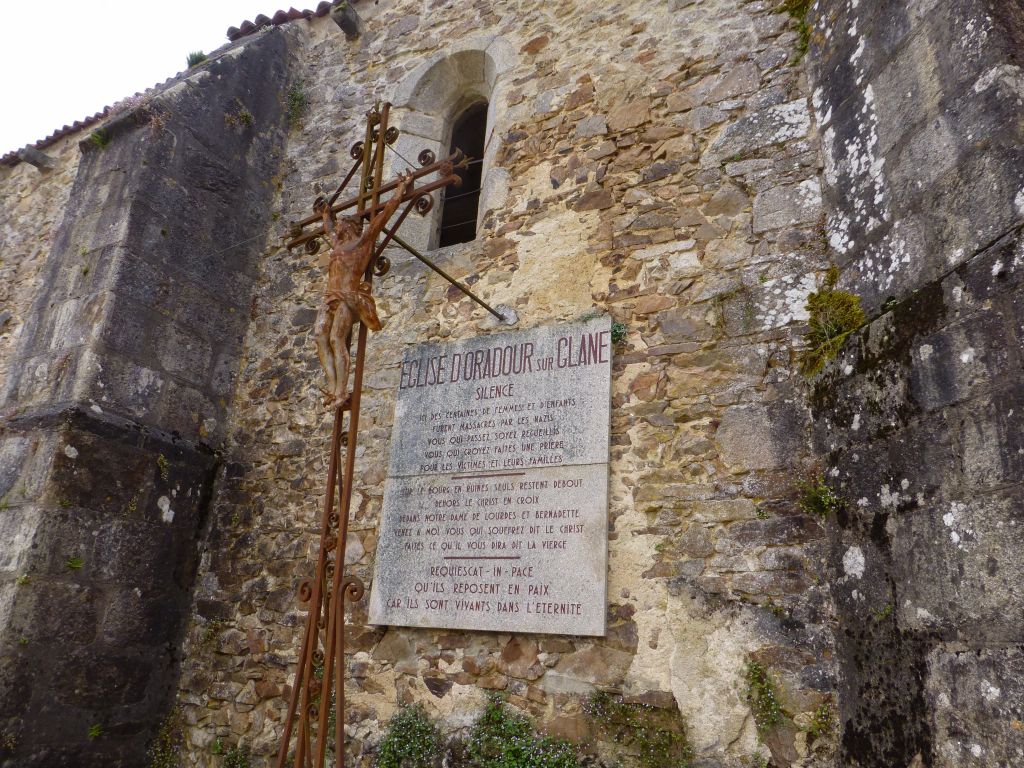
(443, 274)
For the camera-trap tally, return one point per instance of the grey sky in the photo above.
(63, 60)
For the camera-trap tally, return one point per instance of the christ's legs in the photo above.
(324, 320)
(340, 327)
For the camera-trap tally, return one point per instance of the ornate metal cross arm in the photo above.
(444, 168)
(419, 197)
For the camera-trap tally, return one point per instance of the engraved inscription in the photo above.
(495, 508)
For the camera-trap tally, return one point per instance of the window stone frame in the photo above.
(426, 103)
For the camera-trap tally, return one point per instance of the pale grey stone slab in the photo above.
(454, 413)
(495, 512)
(508, 552)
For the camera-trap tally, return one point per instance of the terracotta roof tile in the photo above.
(234, 33)
(280, 17)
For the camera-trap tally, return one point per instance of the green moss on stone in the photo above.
(100, 138)
(296, 104)
(164, 466)
(834, 315)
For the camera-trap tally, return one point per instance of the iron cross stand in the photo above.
(319, 679)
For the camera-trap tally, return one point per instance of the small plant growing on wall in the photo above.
(503, 738)
(817, 499)
(762, 697)
(834, 315)
(100, 138)
(237, 757)
(798, 9)
(659, 734)
(169, 742)
(241, 117)
(194, 58)
(618, 333)
(411, 741)
(822, 722)
(296, 103)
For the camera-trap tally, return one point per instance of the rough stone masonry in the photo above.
(681, 166)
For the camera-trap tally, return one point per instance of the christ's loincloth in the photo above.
(359, 301)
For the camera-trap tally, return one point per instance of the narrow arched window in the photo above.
(460, 204)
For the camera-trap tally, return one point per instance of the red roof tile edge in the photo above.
(233, 34)
(281, 17)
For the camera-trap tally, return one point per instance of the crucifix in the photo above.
(315, 720)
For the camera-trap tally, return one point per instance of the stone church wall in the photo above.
(162, 445)
(920, 109)
(30, 210)
(115, 398)
(657, 162)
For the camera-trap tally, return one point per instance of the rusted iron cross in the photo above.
(315, 720)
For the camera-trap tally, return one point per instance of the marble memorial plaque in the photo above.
(496, 501)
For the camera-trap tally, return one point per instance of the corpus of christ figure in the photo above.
(347, 297)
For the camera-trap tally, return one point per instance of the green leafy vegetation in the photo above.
(411, 741)
(240, 118)
(74, 563)
(169, 742)
(883, 613)
(834, 315)
(503, 738)
(100, 138)
(822, 722)
(237, 757)
(798, 9)
(196, 57)
(296, 103)
(618, 332)
(22, 579)
(762, 697)
(817, 499)
(658, 734)
(95, 731)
